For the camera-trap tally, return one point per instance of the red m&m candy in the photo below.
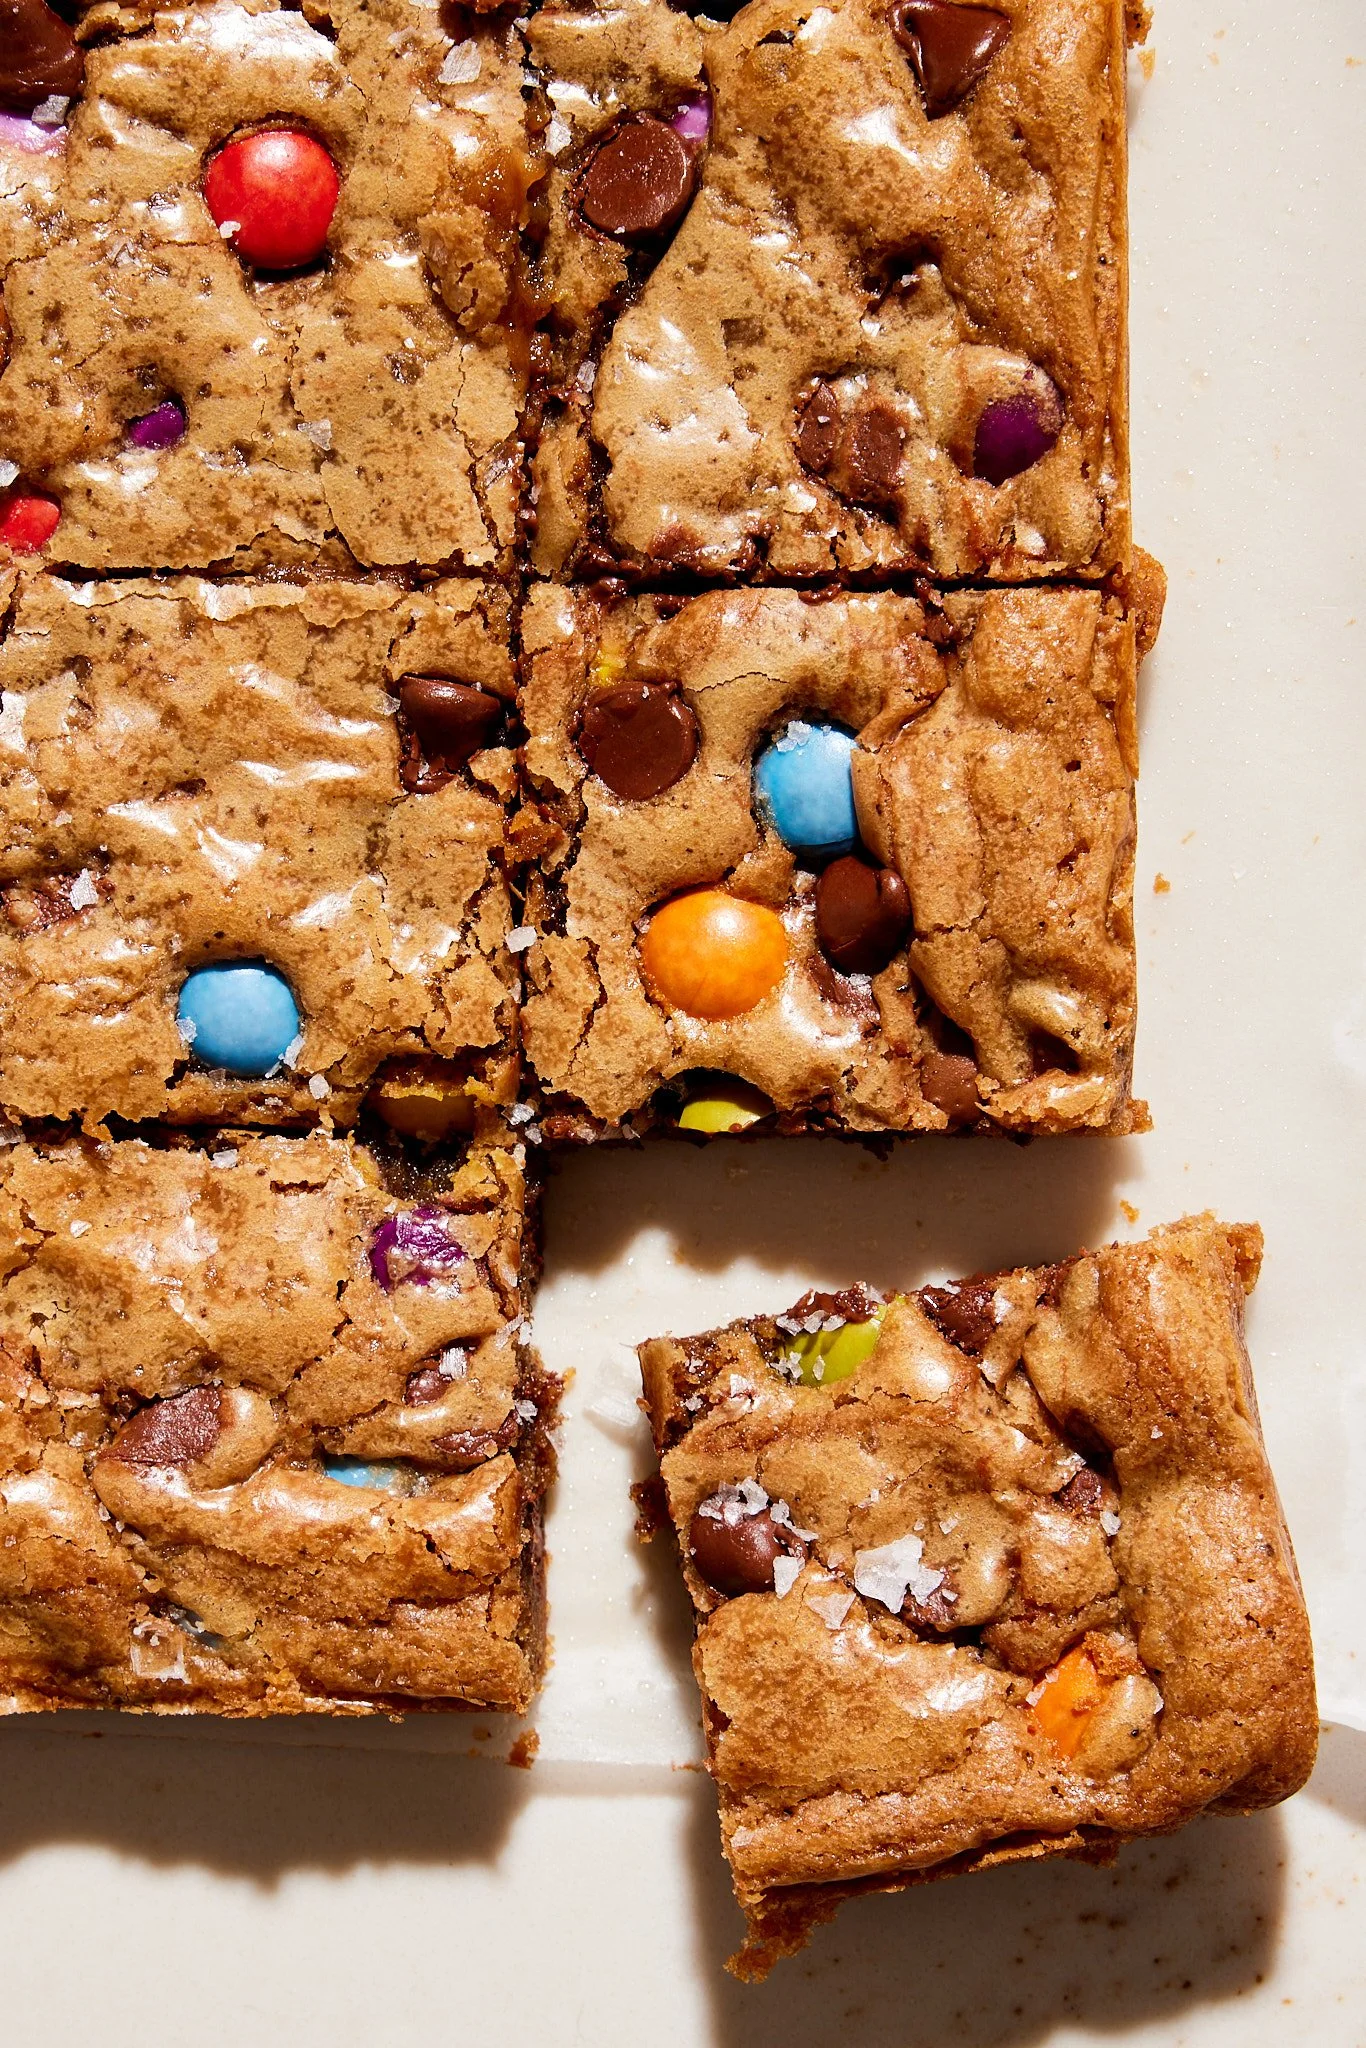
(274, 195)
(714, 955)
(28, 521)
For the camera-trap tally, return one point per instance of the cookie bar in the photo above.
(835, 289)
(312, 777)
(271, 1439)
(262, 286)
(851, 862)
(994, 1570)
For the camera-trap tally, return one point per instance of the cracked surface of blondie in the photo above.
(270, 1439)
(993, 773)
(890, 337)
(192, 773)
(1015, 1584)
(367, 406)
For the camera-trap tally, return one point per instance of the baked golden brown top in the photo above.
(1014, 1578)
(992, 774)
(191, 774)
(365, 403)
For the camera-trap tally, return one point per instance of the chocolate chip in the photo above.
(640, 180)
(933, 1616)
(1084, 1493)
(949, 1081)
(171, 1432)
(863, 914)
(949, 47)
(639, 738)
(736, 1555)
(872, 456)
(856, 1304)
(818, 430)
(444, 724)
(964, 1313)
(468, 1447)
(40, 59)
(424, 1386)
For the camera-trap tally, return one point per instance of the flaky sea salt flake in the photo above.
(891, 1570)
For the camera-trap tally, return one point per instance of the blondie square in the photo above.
(850, 862)
(312, 776)
(262, 289)
(836, 288)
(270, 1437)
(995, 1570)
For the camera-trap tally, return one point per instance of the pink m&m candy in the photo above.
(273, 195)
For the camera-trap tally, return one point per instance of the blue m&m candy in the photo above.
(241, 1015)
(377, 1475)
(806, 789)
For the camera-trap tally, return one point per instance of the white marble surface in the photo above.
(177, 1884)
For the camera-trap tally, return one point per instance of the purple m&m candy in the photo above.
(160, 428)
(693, 119)
(415, 1245)
(1014, 433)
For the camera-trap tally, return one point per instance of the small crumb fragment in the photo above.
(1161, 886)
(1131, 1214)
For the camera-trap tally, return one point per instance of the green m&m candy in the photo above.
(825, 1356)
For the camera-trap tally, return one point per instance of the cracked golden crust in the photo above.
(671, 437)
(864, 1755)
(245, 1580)
(995, 773)
(368, 407)
(221, 764)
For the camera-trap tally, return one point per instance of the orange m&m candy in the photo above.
(1067, 1697)
(712, 954)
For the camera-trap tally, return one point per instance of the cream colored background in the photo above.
(178, 1885)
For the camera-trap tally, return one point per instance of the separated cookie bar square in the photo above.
(851, 862)
(271, 1438)
(835, 288)
(253, 847)
(990, 1571)
(261, 281)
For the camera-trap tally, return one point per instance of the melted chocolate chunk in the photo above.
(171, 1432)
(872, 456)
(949, 1081)
(640, 739)
(444, 725)
(468, 1447)
(851, 1304)
(863, 914)
(1084, 1493)
(965, 1313)
(949, 47)
(736, 1556)
(40, 59)
(35, 906)
(426, 1385)
(933, 1616)
(639, 182)
(818, 430)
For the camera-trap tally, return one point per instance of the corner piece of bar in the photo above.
(996, 1571)
(271, 1439)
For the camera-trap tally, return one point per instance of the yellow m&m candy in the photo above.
(713, 955)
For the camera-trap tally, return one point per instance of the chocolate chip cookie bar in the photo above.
(990, 1571)
(262, 285)
(835, 289)
(852, 862)
(270, 1438)
(254, 849)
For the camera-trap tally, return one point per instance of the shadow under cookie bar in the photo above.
(271, 1440)
(965, 958)
(312, 775)
(995, 1570)
(841, 290)
(188, 406)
